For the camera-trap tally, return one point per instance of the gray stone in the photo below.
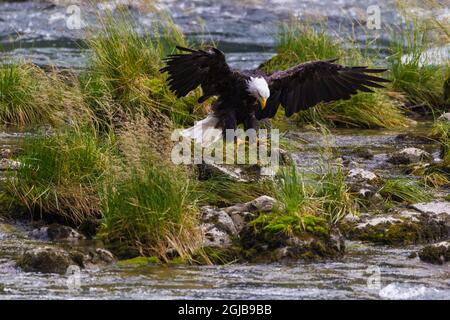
(399, 227)
(215, 237)
(435, 207)
(54, 259)
(5, 153)
(98, 257)
(7, 164)
(219, 218)
(359, 174)
(445, 117)
(410, 155)
(45, 260)
(221, 225)
(56, 232)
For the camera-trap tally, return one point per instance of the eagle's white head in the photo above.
(258, 87)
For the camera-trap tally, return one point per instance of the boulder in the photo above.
(362, 182)
(359, 174)
(410, 155)
(434, 207)
(400, 227)
(234, 233)
(97, 257)
(5, 153)
(438, 253)
(53, 259)
(46, 260)
(8, 164)
(314, 242)
(221, 225)
(56, 232)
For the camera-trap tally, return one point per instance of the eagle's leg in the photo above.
(251, 122)
(228, 122)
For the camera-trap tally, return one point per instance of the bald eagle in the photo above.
(245, 97)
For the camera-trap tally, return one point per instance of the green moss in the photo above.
(435, 254)
(177, 261)
(139, 261)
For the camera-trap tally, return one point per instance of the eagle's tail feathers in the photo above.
(205, 131)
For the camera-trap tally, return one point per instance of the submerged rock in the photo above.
(46, 260)
(410, 155)
(438, 253)
(53, 259)
(363, 152)
(56, 232)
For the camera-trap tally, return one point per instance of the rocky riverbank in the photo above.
(242, 232)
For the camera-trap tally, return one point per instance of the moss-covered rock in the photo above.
(52, 259)
(406, 227)
(306, 238)
(438, 253)
(255, 232)
(48, 260)
(410, 155)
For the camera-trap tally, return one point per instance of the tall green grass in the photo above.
(325, 196)
(421, 84)
(124, 77)
(24, 96)
(151, 210)
(404, 190)
(59, 175)
(441, 132)
(300, 42)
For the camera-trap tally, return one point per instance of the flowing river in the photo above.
(245, 30)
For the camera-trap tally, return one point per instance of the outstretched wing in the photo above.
(310, 83)
(207, 69)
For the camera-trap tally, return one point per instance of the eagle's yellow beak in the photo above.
(262, 102)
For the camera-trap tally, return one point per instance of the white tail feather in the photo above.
(204, 131)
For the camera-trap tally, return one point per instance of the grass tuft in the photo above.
(59, 175)
(404, 190)
(299, 42)
(124, 76)
(151, 210)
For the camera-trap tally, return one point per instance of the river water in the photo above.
(366, 271)
(44, 32)
(245, 30)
